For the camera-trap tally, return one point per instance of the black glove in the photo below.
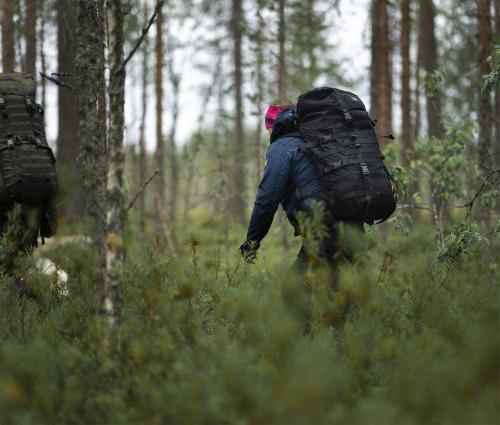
(249, 251)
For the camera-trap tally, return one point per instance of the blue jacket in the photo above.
(288, 173)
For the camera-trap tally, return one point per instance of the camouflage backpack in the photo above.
(27, 163)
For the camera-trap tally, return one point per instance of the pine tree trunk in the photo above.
(160, 145)
(68, 140)
(484, 104)
(174, 161)
(238, 204)
(281, 49)
(102, 100)
(113, 302)
(8, 52)
(496, 145)
(429, 61)
(163, 230)
(259, 75)
(406, 140)
(375, 60)
(281, 94)
(91, 148)
(43, 62)
(30, 33)
(142, 140)
(381, 47)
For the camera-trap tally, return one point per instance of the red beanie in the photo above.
(272, 113)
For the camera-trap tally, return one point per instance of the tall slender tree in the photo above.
(160, 144)
(142, 128)
(496, 146)
(380, 93)
(406, 133)
(112, 300)
(428, 59)
(485, 45)
(30, 34)
(67, 134)
(238, 202)
(91, 148)
(8, 51)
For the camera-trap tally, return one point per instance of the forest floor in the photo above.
(205, 338)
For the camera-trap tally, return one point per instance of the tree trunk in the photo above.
(160, 145)
(281, 94)
(238, 204)
(112, 300)
(484, 104)
(142, 140)
(43, 62)
(375, 59)
(163, 230)
(175, 80)
(281, 49)
(102, 100)
(406, 140)
(429, 61)
(91, 149)
(496, 146)
(259, 76)
(8, 52)
(30, 33)
(381, 73)
(68, 140)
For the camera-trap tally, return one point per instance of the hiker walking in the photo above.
(28, 180)
(325, 150)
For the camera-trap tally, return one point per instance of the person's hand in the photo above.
(249, 251)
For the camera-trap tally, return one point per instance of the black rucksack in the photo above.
(340, 138)
(27, 163)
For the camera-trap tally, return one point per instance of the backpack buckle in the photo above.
(10, 141)
(29, 104)
(337, 164)
(364, 169)
(347, 115)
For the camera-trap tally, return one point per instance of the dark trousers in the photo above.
(343, 241)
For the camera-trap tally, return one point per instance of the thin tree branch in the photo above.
(417, 207)
(57, 81)
(145, 30)
(142, 189)
(471, 203)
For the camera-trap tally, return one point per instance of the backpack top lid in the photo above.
(17, 83)
(322, 98)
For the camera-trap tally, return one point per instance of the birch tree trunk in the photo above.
(30, 34)
(112, 300)
(43, 62)
(259, 75)
(238, 204)
(8, 52)
(91, 147)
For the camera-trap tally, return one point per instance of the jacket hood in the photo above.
(285, 125)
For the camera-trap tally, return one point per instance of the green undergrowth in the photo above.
(206, 339)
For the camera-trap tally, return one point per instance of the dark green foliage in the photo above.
(210, 340)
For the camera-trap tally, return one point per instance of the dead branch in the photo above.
(57, 81)
(141, 190)
(145, 30)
